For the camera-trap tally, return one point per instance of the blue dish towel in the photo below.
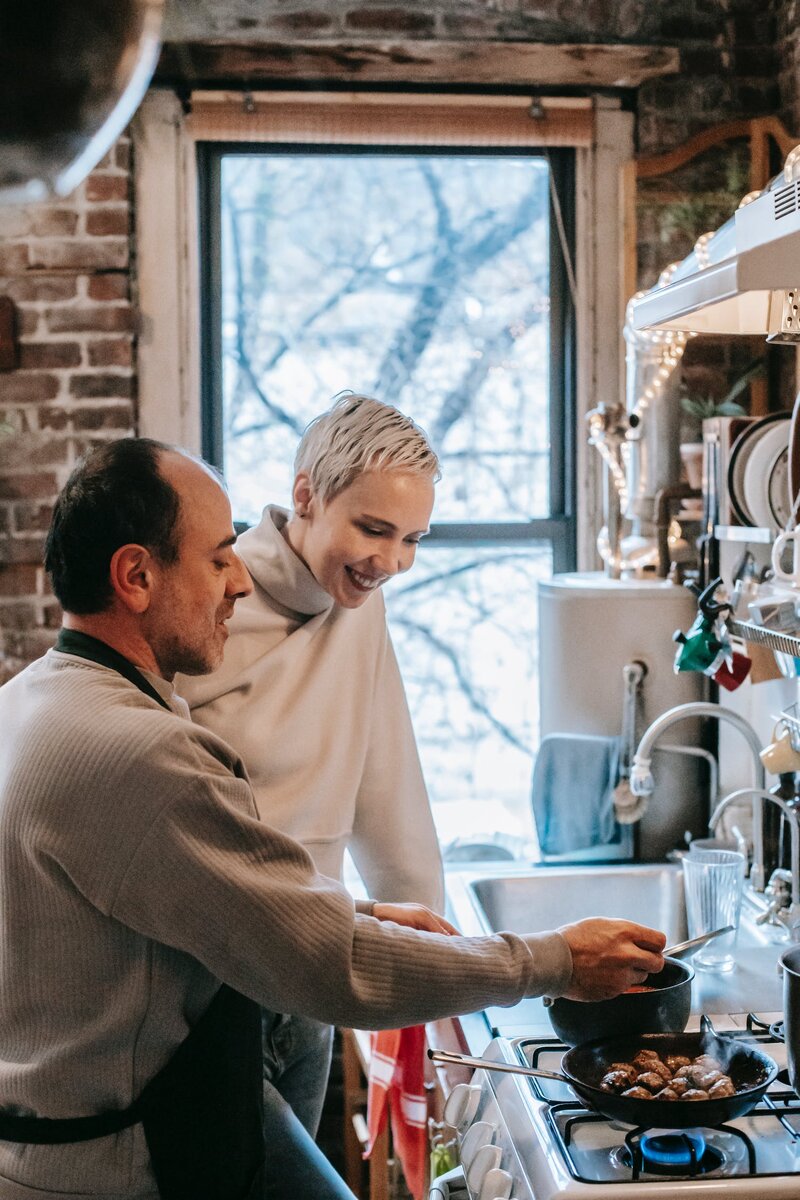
(573, 791)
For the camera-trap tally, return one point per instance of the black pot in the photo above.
(790, 961)
(664, 1010)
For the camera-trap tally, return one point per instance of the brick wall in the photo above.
(67, 267)
(787, 45)
(70, 266)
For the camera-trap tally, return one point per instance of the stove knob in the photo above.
(461, 1105)
(486, 1159)
(478, 1137)
(497, 1185)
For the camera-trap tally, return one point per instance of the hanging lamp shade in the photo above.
(72, 73)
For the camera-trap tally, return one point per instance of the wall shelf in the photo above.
(745, 533)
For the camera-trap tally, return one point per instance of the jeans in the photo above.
(296, 1168)
(297, 1056)
(297, 1060)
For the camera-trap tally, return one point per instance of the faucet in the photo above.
(641, 777)
(786, 914)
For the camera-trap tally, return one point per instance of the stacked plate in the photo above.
(758, 473)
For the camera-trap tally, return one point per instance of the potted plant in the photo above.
(699, 408)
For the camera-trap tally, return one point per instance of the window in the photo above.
(435, 281)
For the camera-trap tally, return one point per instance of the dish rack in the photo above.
(785, 643)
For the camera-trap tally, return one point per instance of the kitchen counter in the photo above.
(752, 986)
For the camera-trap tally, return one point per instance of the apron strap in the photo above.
(81, 645)
(50, 1131)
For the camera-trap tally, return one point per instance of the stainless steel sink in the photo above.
(547, 897)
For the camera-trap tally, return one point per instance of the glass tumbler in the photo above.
(713, 882)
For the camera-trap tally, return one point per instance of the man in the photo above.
(145, 911)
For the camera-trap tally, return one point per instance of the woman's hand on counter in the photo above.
(415, 916)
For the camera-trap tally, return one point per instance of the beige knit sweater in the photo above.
(134, 876)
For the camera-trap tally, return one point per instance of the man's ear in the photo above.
(302, 494)
(131, 577)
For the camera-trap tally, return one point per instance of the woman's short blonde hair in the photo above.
(361, 434)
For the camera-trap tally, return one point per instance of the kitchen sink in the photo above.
(532, 899)
(547, 897)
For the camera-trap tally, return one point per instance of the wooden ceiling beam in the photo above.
(526, 64)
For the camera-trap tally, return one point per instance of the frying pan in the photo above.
(584, 1066)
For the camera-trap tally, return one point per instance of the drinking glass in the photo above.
(713, 881)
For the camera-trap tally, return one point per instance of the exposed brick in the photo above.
(51, 615)
(109, 287)
(80, 255)
(108, 222)
(701, 60)
(301, 22)
(28, 388)
(107, 318)
(32, 486)
(53, 222)
(13, 258)
(118, 417)
(107, 187)
(18, 580)
(32, 451)
(111, 352)
(101, 387)
(30, 517)
(28, 322)
(29, 645)
(19, 615)
(49, 354)
(15, 222)
(122, 155)
(390, 20)
(22, 550)
(36, 288)
(55, 419)
(754, 60)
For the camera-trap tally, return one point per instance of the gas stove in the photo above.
(524, 1138)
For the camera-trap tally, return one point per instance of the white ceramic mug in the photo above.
(779, 545)
(780, 755)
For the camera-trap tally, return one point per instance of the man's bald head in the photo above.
(123, 492)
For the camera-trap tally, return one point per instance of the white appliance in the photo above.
(590, 627)
(531, 1139)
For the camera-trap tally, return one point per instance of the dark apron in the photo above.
(202, 1113)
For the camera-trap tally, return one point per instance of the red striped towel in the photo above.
(396, 1087)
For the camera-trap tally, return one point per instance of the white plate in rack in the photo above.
(780, 501)
(741, 450)
(773, 442)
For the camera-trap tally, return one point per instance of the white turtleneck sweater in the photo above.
(311, 698)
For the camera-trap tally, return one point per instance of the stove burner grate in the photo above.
(566, 1118)
(682, 1152)
(760, 1028)
(678, 1153)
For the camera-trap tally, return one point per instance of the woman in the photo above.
(310, 693)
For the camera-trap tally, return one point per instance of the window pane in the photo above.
(464, 624)
(421, 279)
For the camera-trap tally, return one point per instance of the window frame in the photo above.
(165, 135)
(558, 528)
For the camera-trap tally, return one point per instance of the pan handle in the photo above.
(487, 1064)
